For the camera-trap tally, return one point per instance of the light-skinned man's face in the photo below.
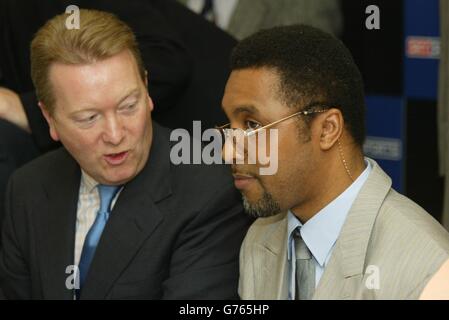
(252, 100)
(102, 116)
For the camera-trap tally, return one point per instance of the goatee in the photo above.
(265, 207)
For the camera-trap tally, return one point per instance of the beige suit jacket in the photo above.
(388, 248)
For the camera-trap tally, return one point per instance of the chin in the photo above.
(119, 177)
(254, 193)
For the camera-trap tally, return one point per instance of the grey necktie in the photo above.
(305, 270)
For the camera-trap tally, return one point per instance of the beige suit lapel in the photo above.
(271, 282)
(344, 272)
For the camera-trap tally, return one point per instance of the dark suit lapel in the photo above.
(56, 228)
(133, 219)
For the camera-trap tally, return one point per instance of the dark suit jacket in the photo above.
(174, 232)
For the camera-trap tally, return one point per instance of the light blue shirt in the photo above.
(321, 232)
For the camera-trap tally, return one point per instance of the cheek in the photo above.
(287, 157)
(140, 132)
(281, 146)
(140, 122)
(86, 143)
(289, 152)
(293, 163)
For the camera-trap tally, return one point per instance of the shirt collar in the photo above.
(88, 184)
(321, 232)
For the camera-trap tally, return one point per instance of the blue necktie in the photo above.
(107, 193)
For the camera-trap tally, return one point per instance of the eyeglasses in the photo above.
(227, 131)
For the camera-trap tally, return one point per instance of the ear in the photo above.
(331, 128)
(50, 120)
(150, 103)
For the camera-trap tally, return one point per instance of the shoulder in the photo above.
(189, 175)
(408, 244)
(29, 185)
(44, 167)
(205, 188)
(404, 220)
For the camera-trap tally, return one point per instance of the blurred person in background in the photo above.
(241, 18)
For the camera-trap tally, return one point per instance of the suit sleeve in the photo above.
(14, 275)
(205, 264)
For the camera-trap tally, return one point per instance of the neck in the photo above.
(334, 180)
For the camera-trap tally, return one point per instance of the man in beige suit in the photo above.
(330, 226)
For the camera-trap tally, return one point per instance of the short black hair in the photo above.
(313, 66)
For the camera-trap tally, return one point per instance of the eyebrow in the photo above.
(247, 109)
(130, 93)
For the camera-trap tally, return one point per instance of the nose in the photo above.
(233, 150)
(228, 150)
(114, 132)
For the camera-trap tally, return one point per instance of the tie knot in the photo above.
(107, 193)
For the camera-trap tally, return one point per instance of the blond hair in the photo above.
(101, 35)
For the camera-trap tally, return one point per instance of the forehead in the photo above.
(94, 82)
(258, 88)
(252, 82)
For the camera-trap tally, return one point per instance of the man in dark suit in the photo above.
(110, 206)
(187, 58)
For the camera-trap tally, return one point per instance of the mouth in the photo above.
(242, 181)
(116, 159)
